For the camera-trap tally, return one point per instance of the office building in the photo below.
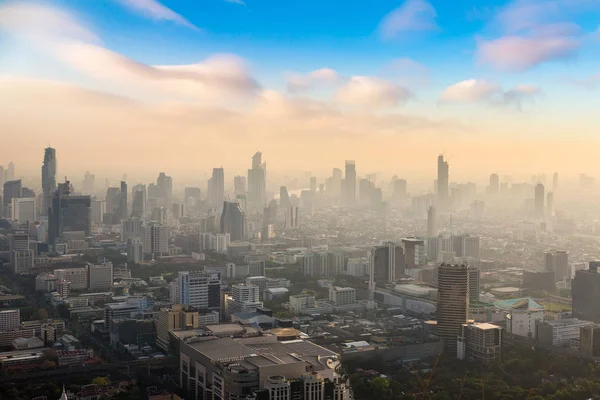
(481, 342)
(48, 179)
(135, 250)
(470, 247)
(539, 201)
(342, 296)
(192, 197)
(291, 218)
(9, 320)
(550, 205)
(139, 203)
(239, 185)
(156, 239)
(216, 188)
(68, 213)
(431, 222)
(257, 182)
(521, 316)
(122, 208)
(200, 290)
(78, 277)
(589, 341)
(322, 264)
(453, 303)
(98, 211)
(175, 318)
(494, 187)
(10, 172)
(349, 184)
(388, 263)
(164, 188)
(474, 285)
(278, 388)
(89, 183)
(178, 210)
(21, 261)
(233, 221)
(256, 268)
(585, 292)
(12, 190)
(23, 210)
(284, 198)
(442, 182)
(100, 276)
(119, 311)
(399, 190)
(112, 205)
(558, 263)
(131, 228)
(414, 253)
(244, 298)
(561, 333)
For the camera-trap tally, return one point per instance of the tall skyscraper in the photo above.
(239, 185)
(257, 182)
(388, 262)
(453, 303)
(12, 190)
(550, 205)
(284, 198)
(558, 263)
(156, 239)
(68, 213)
(291, 218)
(585, 290)
(555, 181)
(48, 179)
(539, 201)
(139, 203)
(216, 188)
(2, 175)
(442, 181)
(494, 184)
(349, 186)
(123, 211)
(431, 222)
(233, 221)
(164, 185)
(399, 189)
(10, 172)
(89, 183)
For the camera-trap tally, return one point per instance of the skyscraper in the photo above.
(431, 222)
(164, 185)
(89, 183)
(555, 181)
(399, 189)
(10, 172)
(257, 180)
(550, 205)
(284, 198)
(48, 179)
(558, 263)
(216, 188)
(12, 190)
(539, 201)
(239, 185)
(388, 262)
(291, 218)
(453, 303)
(23, 210)
(139, 203)
(349, 185)
(200, 289)
(585, 290)
(442, 181)
(233, 221)
(494, 184)
(123, 212)
(68, 213)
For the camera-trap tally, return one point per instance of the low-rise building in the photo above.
(560, 333)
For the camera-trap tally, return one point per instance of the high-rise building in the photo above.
(388, 262)
(349, 184)
(12, 190)
(539, 201)
(192, 197)
(291, 218)
(278, 388)
(200, 289)
(131, 228)
(216, 188)
(78, 277)
(10, 172)
(480, 342)
(585, 291)
(470, 246)
(414, 254)
(558, 263)
(342, 296)
(550, 205)
(178, 317)
(9, 320)
(139, 203)
(23, 210)
(48, 179)
(244, 298)
(100, 276)
(135, 250)
(474, 284)
(68, 213)
(453, 303)
(178, 210)
(442, 181)
(164, 186)
(257, 182)
(233, 221)
(21, 255)
(399, 189)
(239, 185)
(98, 211)
(284, 198)
(555, 181)
(156, 239)
(122, 210)
(89, 183)
(494, 184)
(431, 222)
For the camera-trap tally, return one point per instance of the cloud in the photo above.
(215, 78)
(413, 15)
(371, 91)
(533, 32)
(407, 71)
(240, 2)
(323, 76)
(475, 91)
(156, 11)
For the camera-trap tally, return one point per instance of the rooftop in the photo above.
(520, 303)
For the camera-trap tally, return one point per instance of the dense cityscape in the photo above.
(235, 290)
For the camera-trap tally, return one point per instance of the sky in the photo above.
(142, 86)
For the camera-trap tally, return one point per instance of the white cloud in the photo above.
(413, 15)
(371, 91)
(475, 91)
(323, 76)
(533, 32)
(217, 77)
(156, 11)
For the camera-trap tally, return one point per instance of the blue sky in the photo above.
(428, 69)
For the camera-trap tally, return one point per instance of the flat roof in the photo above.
(486, 326)
(222, 348)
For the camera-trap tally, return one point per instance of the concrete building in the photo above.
(78, 277)
(278, 388)
(480, 342)
(233, 221)
(388, 262)
(48, 179)
(175, 318)
(349, 184)
(585, 291)
(453, 303)
(9, 320)
(589, 341)
(560, 333)
(69, 213)
(156, 239)
(131, 228)
(119, 311)
(539, 201)
(256, 268)
(558, 262)
(200, 290)
(135, 250)
(301, 302)
(442, 188)
(342, 296)
(414, 253)
(522, 316)
(100, 276)
(291, 218)
(45, 282)
(244, 298)
(23, 210)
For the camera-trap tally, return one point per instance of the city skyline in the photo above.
(208, 77)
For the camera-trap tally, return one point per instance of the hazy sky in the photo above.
(140, 86)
